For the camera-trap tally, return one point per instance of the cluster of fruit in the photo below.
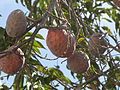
(62, 44)
(13, 61)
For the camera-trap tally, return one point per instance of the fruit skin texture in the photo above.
(12, 62)
(16, 23)
(97, 44)
(78, 62)
(117, 2)
(61, 42)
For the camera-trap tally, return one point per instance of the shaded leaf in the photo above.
(36, 49)
(4, 87)
(28, 4)
(2, 32)
(59, 74)
(107, 29)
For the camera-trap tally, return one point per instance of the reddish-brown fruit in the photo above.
(97, 44)
(16, 23)
(13, 62)
(78, 62)
(117, 2)
(61, 42)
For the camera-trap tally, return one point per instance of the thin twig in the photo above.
(97, 76)
(44, 57)
(114, 47)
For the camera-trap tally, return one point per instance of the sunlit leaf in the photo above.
(41, 68)
(80, 40)
(59, 74)
(36, 49)
(38, 44)
(39, 36)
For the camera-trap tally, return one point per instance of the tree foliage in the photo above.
(83, 18)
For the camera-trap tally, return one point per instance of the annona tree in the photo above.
(79, 31)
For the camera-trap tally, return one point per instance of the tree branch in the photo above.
(97, 76)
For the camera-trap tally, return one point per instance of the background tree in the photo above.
(81, 17)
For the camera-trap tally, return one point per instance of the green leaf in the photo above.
(34, 62)
(117, 74)
(80, 40)
(38, 44)
(18, 82)
(117, 58)
(107, 29)
(22, 2)
(42, 4)
(36, 49)
(41, 68)
(80, 77)
(39, 36)
(16, 1)
(4, 87)
(28, 4)
(107, 20)
(59, 74)
(2, 32)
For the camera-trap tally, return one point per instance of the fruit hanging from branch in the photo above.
(16, 23)
(12, 62)
(61, 42)
(78, 62)
(97, 45)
